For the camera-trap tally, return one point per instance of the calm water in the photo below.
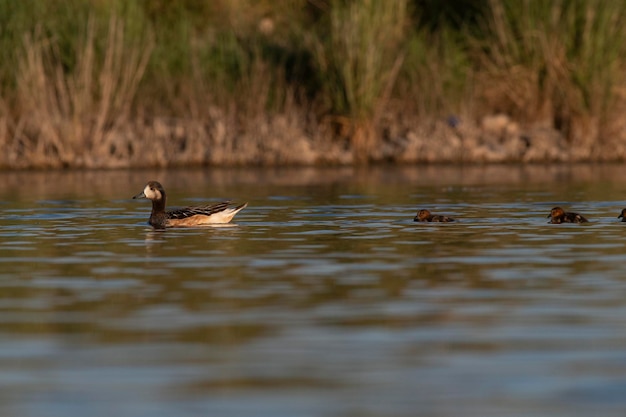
(324, 299)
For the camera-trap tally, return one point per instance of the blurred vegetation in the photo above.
(97, 64)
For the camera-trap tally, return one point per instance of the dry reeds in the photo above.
(73, 118)
(559, 63)
(361, 60)
(107, 84)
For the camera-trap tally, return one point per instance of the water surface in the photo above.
(324, 298)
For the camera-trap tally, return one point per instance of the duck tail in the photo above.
(232, 211)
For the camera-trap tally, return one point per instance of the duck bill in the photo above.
(140, 195)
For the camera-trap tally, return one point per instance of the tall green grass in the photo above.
(561, 62)
(360, 59)
(435, 79)
(79, 78)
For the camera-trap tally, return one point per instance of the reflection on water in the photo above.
(324, 298)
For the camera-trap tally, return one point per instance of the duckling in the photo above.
(622, 215)
(189, 216)
(558, 215)
(425, 216)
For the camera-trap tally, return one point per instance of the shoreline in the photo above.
(285, 140)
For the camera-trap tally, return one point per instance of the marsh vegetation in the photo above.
(158, 83)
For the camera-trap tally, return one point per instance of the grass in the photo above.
(86, 83)
(360, 61)
(70, 113)
(560, 63)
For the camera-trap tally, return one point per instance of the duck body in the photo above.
(622, 215)
(425, 216)
(218, 213)
(558, 215)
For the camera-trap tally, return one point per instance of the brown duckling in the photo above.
(425, 216)
(558, 215)
(622, 215)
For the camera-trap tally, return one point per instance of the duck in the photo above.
(558, 215)
(218, 213)
(622, 215)
(425, 216)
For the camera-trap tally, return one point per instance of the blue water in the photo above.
(323, 298)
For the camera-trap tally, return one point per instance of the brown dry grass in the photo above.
(75, 119)
(337, 81)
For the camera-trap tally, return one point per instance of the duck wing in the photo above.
(441, 218)
(575, 218)
(207, 210)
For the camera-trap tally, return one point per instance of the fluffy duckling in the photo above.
(622, 215)
(558, 215)
(425, 216)
(188, 216)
